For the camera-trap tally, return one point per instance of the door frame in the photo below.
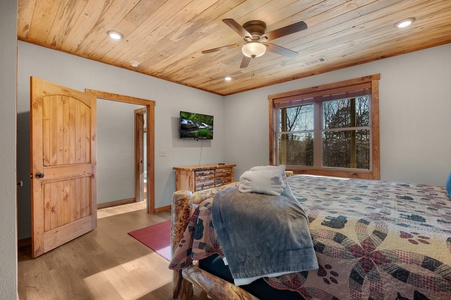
(150, 138)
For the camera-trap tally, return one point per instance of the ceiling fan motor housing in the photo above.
(256, 28)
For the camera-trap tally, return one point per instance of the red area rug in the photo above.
(157, 237)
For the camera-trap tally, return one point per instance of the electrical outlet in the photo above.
(162, 153)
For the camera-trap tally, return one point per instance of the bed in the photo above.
(372, 239)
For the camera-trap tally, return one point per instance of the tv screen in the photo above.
(196, 126)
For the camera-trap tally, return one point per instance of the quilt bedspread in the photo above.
(373, 240)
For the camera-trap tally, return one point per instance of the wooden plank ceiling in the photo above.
(166, 37)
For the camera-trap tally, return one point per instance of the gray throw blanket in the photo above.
(262, 234)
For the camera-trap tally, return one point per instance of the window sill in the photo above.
(336, 173)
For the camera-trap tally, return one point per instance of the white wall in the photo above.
(115, 151)
(8, 56)
(415, 116)
(79, 73)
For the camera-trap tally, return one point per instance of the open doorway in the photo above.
(147, 142)
(140, 157)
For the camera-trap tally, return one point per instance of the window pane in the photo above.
(298, 118)
(347, 149)
(296, 149)
(345, 113)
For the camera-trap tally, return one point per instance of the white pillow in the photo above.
(280, 168)
(263, 181)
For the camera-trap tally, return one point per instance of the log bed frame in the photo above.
(183, 204)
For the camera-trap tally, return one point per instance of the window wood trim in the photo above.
(275, 100)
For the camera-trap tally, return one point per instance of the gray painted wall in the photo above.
(8, 57)
(115, 151)
(79, 73)
(414, 103)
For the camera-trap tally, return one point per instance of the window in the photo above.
(328, 130)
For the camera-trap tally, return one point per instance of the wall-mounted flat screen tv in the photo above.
(196, 126)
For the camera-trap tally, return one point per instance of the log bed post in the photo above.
(181, 212)
(182, 280)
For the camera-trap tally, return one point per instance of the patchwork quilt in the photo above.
(373, 240)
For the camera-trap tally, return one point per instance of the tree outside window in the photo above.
(329, 130)
(296, 135)
(346, 133)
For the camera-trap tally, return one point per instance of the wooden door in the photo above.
(63, 165)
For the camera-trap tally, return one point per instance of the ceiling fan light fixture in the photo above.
(253, 49)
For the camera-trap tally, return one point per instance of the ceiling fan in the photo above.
(253, 33)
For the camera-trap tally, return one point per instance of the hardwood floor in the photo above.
(106, 263)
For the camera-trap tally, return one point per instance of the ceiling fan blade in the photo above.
(283, 31)
(238, 28)
(222, 48)
(281, 50)
(245, 62)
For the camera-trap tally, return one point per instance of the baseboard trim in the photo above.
(24, 242)
(163, 208)
(115, 203)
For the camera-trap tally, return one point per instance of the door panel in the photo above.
(63, 165)
(66, 135)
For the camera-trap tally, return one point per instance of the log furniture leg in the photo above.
(182, 281)
(181, 212)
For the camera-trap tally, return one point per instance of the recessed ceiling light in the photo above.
(405, 23)
(227, 78)
(134, 63)
(115, 35)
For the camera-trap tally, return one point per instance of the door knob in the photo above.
(39, 175)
